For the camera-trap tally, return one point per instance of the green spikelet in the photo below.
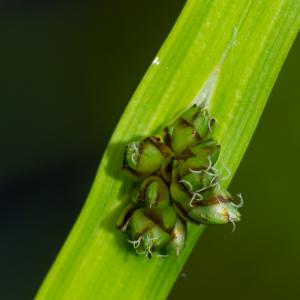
(152, 223)
(190, 129)
(180, 184)
(219, 208)
(143, 158)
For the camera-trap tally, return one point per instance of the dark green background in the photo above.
(67, 73)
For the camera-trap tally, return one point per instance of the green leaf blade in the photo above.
(233, 50)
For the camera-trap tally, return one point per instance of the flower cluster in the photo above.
(179, 184)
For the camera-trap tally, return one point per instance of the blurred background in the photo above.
(67, 73)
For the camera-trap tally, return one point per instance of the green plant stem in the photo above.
(228, 53)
